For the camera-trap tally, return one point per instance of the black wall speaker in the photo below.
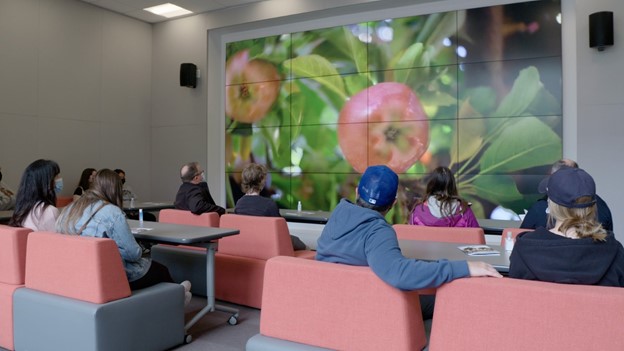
(601, 30)
(188, 75)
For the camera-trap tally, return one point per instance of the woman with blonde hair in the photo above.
(577, 250)
(98, 213)
(441, 206)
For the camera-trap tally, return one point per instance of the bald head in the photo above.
(191, 173)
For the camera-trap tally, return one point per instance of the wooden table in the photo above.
(433, 251)
(190, 235)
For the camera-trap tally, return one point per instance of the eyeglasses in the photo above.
(200, 173)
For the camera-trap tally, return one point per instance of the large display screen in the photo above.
(477, 90)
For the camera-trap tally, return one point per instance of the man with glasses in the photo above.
(193, 194)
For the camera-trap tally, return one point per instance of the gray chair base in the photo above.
(184, 264)
(260, 342)
(151, 319)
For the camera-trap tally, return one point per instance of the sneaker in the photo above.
(187, 285)
(187, 298)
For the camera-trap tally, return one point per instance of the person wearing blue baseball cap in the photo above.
(577, 250)
(358, 234)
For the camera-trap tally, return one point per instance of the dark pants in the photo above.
(157, 273)
(427, 303)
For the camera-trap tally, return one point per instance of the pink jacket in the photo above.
(422, 216)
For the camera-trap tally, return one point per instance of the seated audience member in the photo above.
(36, 196)
(128, 194)
(358, 234)
(252, 204)
(441, 206)
(536, 215)
(193, 194)
(577, 250)
(7, 196)
(97, 213)
(86, 179)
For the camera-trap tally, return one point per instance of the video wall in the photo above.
(477, 90)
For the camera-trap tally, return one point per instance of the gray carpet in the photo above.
(213, 332)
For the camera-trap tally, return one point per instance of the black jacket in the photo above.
(542, 255)
(196, 198)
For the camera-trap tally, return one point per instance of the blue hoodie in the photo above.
(359, 236)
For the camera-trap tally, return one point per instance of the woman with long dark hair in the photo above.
(98, 213)
(36, 197)
(441, 206)
(86, 179)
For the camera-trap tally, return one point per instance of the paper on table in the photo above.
(478, 250)
(139, 230)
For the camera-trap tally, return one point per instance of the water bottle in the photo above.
(131, 202)
(299, 206)
(509, 242)
(141, 217)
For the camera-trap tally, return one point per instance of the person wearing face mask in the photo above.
(36, 196)
(193, 194)
(128, 194)
(7, 196)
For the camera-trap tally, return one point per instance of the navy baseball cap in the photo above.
(567, 185)
(378, 185)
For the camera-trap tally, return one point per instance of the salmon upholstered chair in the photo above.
(240, 260)
(313, 305)
(514, 233)
(443, 234)
(209, 219)
(62, 201)
(77, 298)
(12, 270)
(518, 315)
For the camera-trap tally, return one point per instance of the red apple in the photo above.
(383, 124)
(252, 86)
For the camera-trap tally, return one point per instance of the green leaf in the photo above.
(526, 143)
(470, 139)
(355, 49)
(407, 57)
(320, 69)
(496, 189)
(525, 89)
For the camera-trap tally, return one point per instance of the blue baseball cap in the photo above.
(567, 185)
(378, 185)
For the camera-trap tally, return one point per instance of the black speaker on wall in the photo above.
(188, 75)
(601, 30)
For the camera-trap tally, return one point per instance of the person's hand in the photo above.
(482, 269)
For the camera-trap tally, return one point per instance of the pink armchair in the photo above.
(444, 234)
(518, 315)
(77, 298)
(240, 260)
(313, 305)
(12, 269)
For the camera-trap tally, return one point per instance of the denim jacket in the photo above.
(110, 222)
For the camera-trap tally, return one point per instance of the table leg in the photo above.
(210, 294)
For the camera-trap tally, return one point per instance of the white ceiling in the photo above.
(134, 8)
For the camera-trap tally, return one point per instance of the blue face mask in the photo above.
(58, 185)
